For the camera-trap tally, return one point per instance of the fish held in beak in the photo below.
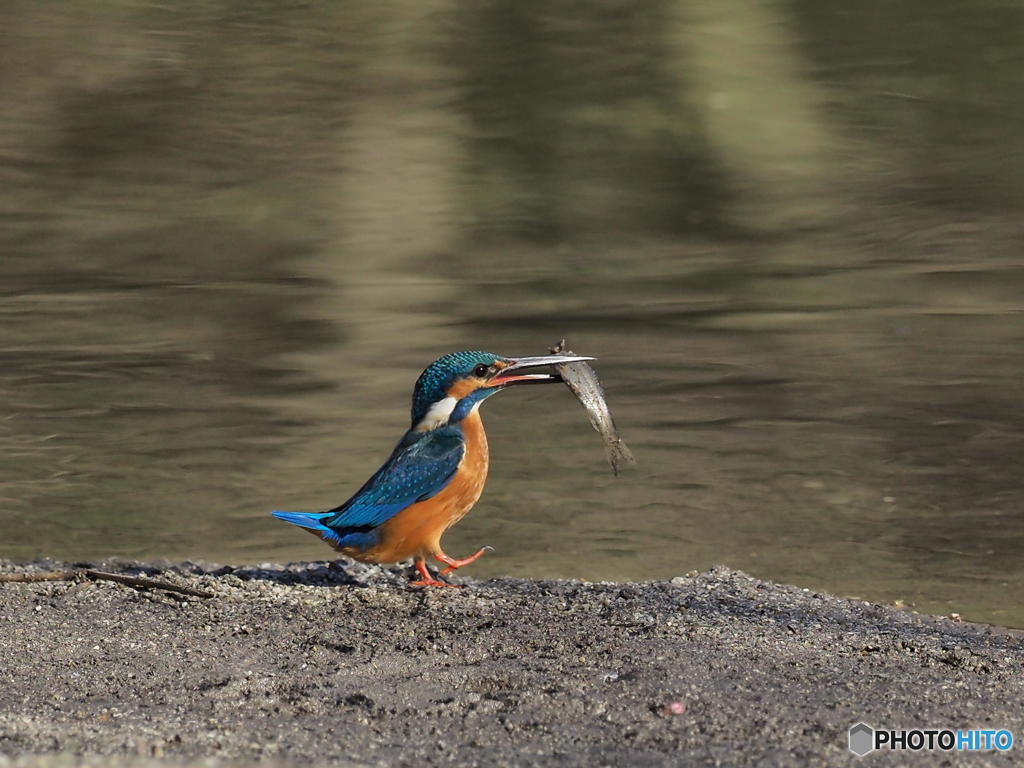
(513, 372)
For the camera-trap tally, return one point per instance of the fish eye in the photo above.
(481, 370)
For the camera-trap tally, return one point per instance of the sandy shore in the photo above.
(342, 664)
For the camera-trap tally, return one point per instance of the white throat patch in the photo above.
(437, 415)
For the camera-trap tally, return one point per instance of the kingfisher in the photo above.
(435, 474)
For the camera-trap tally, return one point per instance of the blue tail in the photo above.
(310, 520)
(358, 539)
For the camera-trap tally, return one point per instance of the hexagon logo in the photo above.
(862, 739)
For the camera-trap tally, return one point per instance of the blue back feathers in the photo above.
(433, 383)
(420, 466)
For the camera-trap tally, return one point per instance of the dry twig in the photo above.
(140, 582)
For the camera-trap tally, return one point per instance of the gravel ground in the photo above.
(342, 664)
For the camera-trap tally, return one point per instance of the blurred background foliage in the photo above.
(234, 232)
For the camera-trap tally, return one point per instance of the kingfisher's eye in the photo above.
(480, 370)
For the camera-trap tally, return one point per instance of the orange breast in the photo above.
(416, 530)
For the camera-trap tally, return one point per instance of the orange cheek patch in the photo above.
(463, 387)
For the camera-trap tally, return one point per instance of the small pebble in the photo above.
(675, 708)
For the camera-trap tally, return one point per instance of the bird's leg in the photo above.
(427, 579)
(454, 564)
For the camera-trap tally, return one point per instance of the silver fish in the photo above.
(581, 379)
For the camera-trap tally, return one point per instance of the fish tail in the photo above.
(619, 454)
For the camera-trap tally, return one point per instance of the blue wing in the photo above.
(420, 466)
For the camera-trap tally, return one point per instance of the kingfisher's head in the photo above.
(452, 386)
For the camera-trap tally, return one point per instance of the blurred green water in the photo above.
(233, 234)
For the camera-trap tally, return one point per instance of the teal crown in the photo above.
(437, 378)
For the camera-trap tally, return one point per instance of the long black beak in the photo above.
(509, 375)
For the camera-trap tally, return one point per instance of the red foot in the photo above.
(427, 579)
(454, 564)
